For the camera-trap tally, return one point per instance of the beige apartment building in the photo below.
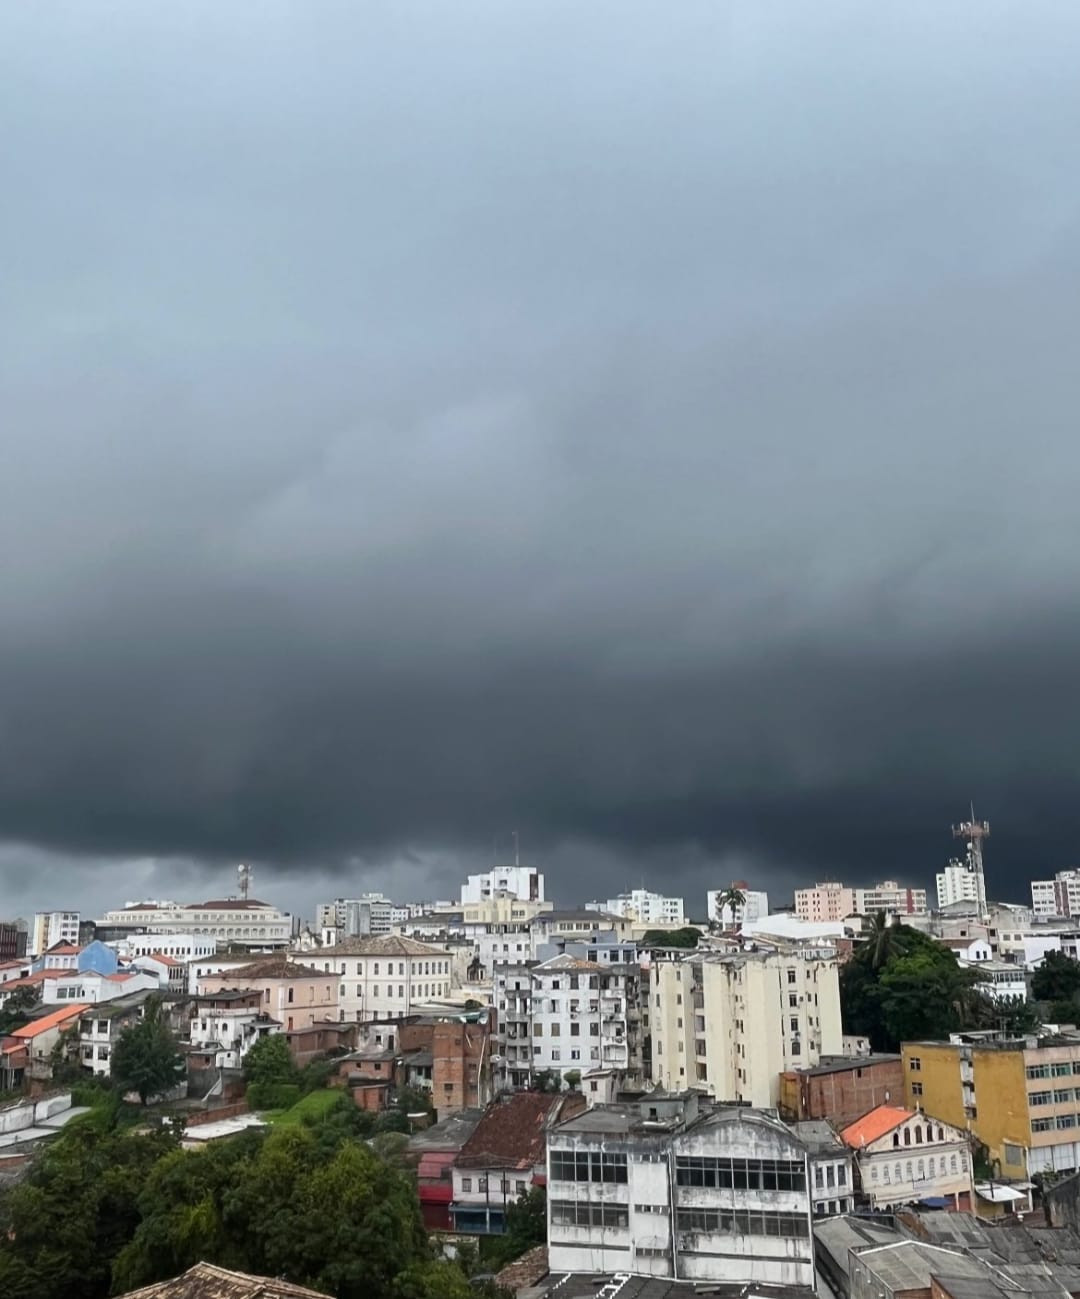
(731, 1023)
(295, 995)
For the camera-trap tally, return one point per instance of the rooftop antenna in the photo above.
(243, 875)
(517, 855)
(974, 832)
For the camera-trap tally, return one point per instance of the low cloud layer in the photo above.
(652, 433)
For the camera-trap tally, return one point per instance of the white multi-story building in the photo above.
(52, 927)
(1057, 897)
(956, 884)
(181, 947)
(670, 1187)
(369, 916)
(229, 1023)
(644, 908)
(239, 922)
(755, 907)
(383, 978)
(523, 882)
(731, 1022)
(565, 1015)
(99, 1030)
(1043, 898)
(825, 901)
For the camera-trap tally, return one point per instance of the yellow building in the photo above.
(1020, 1099)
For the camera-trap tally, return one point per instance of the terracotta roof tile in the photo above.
(513, 1131)
(874, 1125)
(390, 945)
(46, 1022)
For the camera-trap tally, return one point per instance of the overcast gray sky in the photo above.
(652, 428)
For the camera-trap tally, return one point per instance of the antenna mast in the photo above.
(974, 832)
(243, 875)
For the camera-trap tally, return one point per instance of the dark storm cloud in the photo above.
(651, 432)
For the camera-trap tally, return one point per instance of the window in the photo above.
(481, 1183)
(794, 1023)
(587, 1166)
(952, 1163)
(519, 1186)
(1066, 1121)
(841, 1174)
(575, 1030)
(1061, 1070)
(791, 976)
(1040, 1098)
(466, 1184)
(1014, 1155)
(740, 1174)
(1038, 1071)
(819, 1176)
(573, 1213)
(290, 996)
(1041, 1125)
(1063, 1096)
(742, 1222)
(916, 1089)
(915, 1064)
(793, 1000)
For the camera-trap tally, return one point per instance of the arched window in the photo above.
(918, 1134)
(952, 1163)
(930, 1166)
(887, 1177)
(908, 1172)
(895, 1139)
(907, 1136)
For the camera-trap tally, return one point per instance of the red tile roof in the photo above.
(165, 960)
(513, 1131)
(874, 1125)
(46, 1022)
(64, 949)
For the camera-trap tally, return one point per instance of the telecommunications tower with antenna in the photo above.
(973, 833)
(243, 877)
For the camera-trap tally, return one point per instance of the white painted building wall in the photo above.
(755, 908)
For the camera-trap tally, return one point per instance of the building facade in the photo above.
(1057, 897)
(52, 927)
(228, 1024)
(566, 1015)
(370, 915)
(500, 928)
(890, 897)
(956, 884)
(840, 1088)
(644, 908)
(1021, 1098)
(383, 978)
(525, 883)
(238, 922)
(668, 1187)
(827, 900)
(732, 1023)
(295, 995)
(831, 1170)
(904, 1156)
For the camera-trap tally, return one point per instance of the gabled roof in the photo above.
(270, 967)
(875, 1124)
(42, 1025)
(513, 1131)
(162, 959)
(205, 1281)
(388, 945)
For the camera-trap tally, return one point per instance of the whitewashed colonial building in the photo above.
(383, 978)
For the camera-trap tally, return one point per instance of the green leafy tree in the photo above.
(526, 1227)
(17, 1007)
(146, 1058)
(1056, 979)
(901, 985)
(685, 937)
(269, 1061)
(572, 1078)
(63, 1226)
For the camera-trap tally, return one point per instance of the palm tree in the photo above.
(734, 898)
(880, 939)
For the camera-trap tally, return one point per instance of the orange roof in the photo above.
(874, 1125)
(64, 949)
(119, 976)
(165, 960)
(46, 1022)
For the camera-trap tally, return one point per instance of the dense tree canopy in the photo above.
(1057, 979)
(901, 985)
(107, 1209)
(686, 937)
